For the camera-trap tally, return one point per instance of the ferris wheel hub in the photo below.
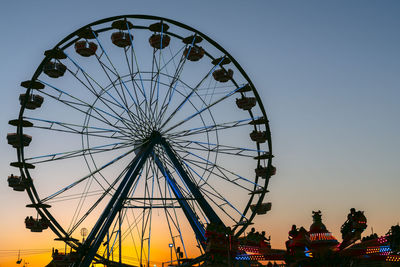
(155, 137)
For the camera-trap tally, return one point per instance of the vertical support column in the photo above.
(190, 215)
(119, 237)
(100, 229)
(108, 246)
(210, 213)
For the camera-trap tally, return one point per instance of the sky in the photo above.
(327, 72)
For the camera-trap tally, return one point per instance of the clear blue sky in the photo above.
(328, 73)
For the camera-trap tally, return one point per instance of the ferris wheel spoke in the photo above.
(154, 174)
(115, 234)
(98, 95)
(203, 109)
(223, 172)
(104, 66)
(80, 103)
(184, 189)
(214, 193)
(155, 77)
(79, 129)
(169, 216)
(74, 196)
(181, 104)
(124, 235)
(132, 75)
(177, 225)
(126, 106)
(134, 85)
(82, 199)
(129, 232)
(102, 225)
(107, 102)
(204, 95)
(154, 87)
(174, 81)
(154, 82)
(209, 128)
(172, 58)
(178, 71)
(135, 224)
(194, 90)
(154, 74)
(134, 58)
(68, 187)
(78, 152)
(145, 211)
(171, 88)
(115, 72)
(183, 199)
(218, 148)
(105, 192)
(194, 205)
(76, 127)
(106, 54)
(142, 117)
(159, 67)
(208, 193)
(90, 80)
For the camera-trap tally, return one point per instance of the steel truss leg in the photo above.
(99, 231)
(101, 227)
(210, 213)
(197, 227)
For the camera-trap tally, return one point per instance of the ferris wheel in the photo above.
(143, 130)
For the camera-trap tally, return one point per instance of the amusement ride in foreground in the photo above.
(147, 132)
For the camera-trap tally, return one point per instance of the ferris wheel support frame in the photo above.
(194, 222)
(99, 231)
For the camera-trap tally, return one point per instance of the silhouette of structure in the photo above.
(157, 132)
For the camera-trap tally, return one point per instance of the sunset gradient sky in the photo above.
(328, 73)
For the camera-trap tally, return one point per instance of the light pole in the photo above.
(170, 247)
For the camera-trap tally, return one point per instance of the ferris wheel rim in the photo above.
(35, 199)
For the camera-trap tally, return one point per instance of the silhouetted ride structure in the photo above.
(314, 247)
(318, 247)
(148, 132)
(141, 126)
